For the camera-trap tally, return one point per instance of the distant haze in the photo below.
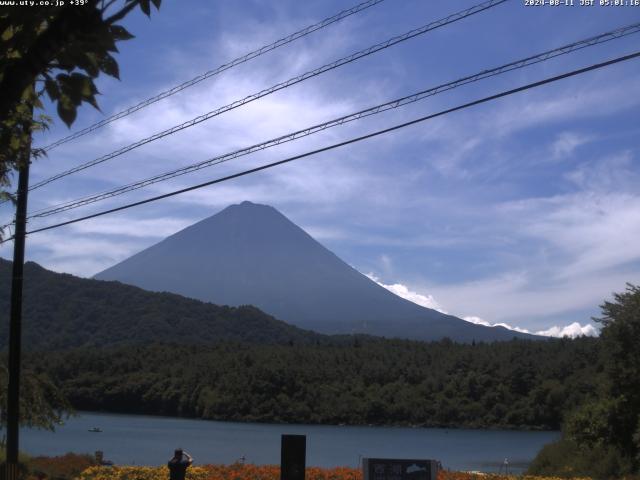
(252, 254)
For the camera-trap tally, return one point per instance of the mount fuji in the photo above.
(251, 254)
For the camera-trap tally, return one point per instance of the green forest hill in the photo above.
(63, 311)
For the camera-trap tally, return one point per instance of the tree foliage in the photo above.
(57, 51)
(42, 404)
(621, 340)
(565, 458)
(517, 384)
(604, 432)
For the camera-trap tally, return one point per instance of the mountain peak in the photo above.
(247, 204)
(248, 208)
(251, 254)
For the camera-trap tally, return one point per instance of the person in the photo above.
(178, 464)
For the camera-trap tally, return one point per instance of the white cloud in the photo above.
(529, 296)
(325, 233)
(133, 227)
(506, 325)
(591, 231)
(566, 143)
(566, 252)
(477, 321)
(403, 291)
(488, 129)
(614, 172)
(567, 101)
(271, 116)
(573, 330)
(78, 255)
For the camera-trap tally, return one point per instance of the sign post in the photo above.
(293, 457)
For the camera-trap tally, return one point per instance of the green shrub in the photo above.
(564, 458)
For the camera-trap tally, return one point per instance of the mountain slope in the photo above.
(252, 254)
(62, 311)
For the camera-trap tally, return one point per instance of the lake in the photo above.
(146, 440)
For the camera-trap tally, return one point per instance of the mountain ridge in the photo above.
(61, 311)
(252, 254)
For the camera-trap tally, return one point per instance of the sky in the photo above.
(523, 211)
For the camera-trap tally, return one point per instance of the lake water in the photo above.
(145, 440)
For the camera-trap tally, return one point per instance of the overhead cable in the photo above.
(399, 102)
(344, 143)
(233, 63)
(454, 17)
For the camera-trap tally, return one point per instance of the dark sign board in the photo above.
(399, 469)
(293, 457)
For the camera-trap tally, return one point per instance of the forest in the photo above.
(517, 384)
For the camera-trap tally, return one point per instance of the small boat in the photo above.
(95, 430)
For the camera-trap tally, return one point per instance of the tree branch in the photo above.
(122, 13)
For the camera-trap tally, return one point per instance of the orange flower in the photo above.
(239, 471)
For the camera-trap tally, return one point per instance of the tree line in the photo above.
(517, 384)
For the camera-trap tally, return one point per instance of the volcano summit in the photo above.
(252, 254)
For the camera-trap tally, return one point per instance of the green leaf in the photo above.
(88, 61)
(87, 89)
(14, 143)
(157, 3)
(67, 112)
(91, 100)
(70, 88)
(52, 89)
(109, 66)
(145, 6)
(102, 39)
(120, 33)
(8, 34)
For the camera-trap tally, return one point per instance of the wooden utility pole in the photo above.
(15, 322)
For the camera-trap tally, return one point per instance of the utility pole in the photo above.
(15, 322)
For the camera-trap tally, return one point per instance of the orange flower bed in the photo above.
(266, 472)
(64, 466)
(447, 475)
(216, 472)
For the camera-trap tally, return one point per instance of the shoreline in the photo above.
(503, 428)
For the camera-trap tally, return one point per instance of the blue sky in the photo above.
(524, 211)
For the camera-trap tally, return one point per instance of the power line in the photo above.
(344, 143)
(399, 102)
(233, 63)
(454, 17)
